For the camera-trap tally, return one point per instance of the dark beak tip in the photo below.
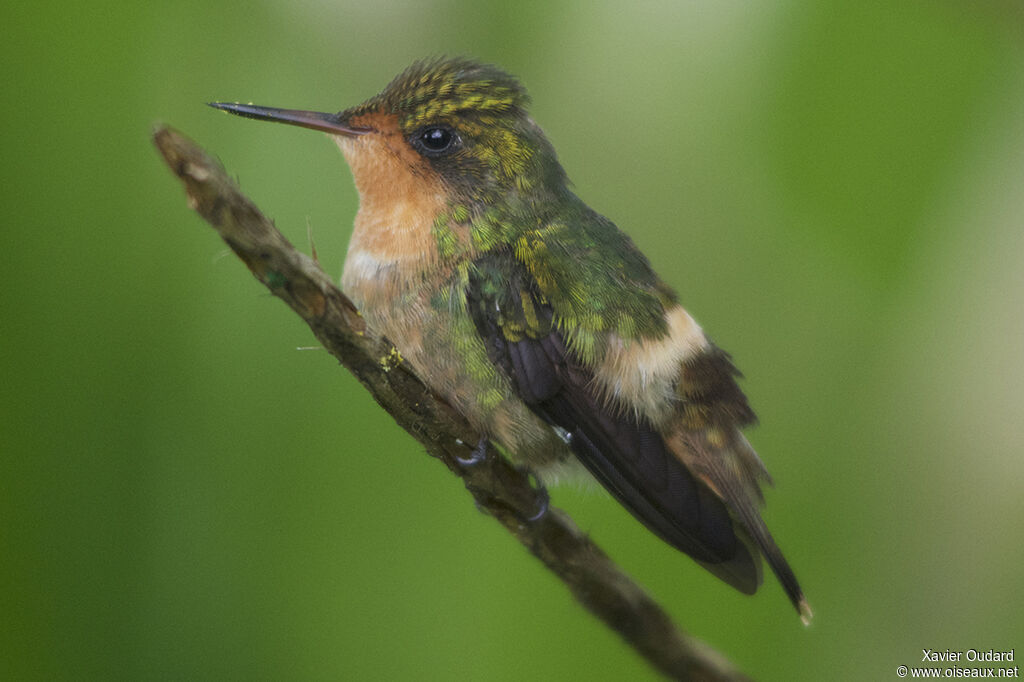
(236, 108)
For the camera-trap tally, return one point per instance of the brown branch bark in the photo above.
(498, 488)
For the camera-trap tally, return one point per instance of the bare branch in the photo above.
(500, 489)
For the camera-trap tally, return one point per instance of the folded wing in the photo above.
(619, 447)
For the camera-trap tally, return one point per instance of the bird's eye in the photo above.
(436, 139)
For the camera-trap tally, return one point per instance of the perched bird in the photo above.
(536, 317)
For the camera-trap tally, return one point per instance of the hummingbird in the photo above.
(537, 318)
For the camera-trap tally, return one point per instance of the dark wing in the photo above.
(626, 454)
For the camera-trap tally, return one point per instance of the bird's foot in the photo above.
(481, 451)
(543, 501)
(477, 455)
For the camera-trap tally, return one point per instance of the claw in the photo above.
(543, 501)
(478, 454)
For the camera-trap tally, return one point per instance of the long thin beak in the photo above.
(328, 123)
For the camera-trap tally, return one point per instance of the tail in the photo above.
(758, 532)
(734, 472)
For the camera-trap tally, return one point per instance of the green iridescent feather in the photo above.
(511, 193)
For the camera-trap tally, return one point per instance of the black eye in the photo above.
(436, 139)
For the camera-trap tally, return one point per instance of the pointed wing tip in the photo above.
(742, 572)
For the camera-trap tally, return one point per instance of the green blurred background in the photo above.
(834, 188)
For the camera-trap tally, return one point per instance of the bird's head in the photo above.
(452, 127)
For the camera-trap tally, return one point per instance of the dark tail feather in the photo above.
(773, 555)
(746, 511)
